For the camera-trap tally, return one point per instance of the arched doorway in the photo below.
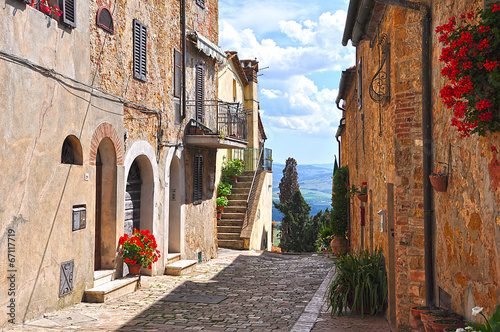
(105, 205)
(139, 196)
(174, 225)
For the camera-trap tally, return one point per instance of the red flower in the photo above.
(363, 183)
(127, 260)
(495, 7)
(494, 149)
(132, 262)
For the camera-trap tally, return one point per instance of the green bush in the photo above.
(360, 284)
(340, 202)
(224, 189)
(325, 236)
(221, 201)
(231, 168)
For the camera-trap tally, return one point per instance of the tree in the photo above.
(289, 182)
(340, 202)
(294, 223)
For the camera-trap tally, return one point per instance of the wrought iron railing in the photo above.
(228, 120)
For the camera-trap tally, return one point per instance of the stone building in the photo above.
(111, 122)
(439, 247)
(247, 220)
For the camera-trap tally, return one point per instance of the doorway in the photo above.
(174, 225)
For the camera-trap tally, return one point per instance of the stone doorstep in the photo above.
(103, 276)
(112, 289)
(231, 244)
(181, 267)
(173, 257)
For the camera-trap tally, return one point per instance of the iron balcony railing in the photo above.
(228, 120)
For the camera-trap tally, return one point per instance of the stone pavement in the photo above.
(238, 291)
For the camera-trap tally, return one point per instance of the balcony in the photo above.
(223, 125)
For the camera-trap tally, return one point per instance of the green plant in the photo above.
(340, 203)
(224, 189)
(325, 236)
(222, 135)
(139, 249)
(221, 201)
(230, 169)
(352, 190)
(490, 325)
(360, 283)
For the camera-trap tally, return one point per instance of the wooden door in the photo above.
(98, 204)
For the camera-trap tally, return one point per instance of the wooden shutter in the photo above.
(200, 93)
(140, 50)
(198, 179)
(201, 3)
(177, 74)
(68, 8)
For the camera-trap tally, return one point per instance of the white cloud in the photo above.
(271, 93)
(297, 32)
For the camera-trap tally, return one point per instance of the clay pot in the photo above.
(428, 319)
(415, 318)
(363, 198)
(339, 245)
(439, 182)
(134, 269)
(439, 325)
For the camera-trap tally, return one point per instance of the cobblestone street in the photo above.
(239, 291)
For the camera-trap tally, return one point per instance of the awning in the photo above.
(207, 47)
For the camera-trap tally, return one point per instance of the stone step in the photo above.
(181, 267)
(238, 197)
(235, 209)
(237, 202)
(103, 276)
(233, 215)
(228, 236)
(173, 257)
(245, 178)
(231, 244)
(239, 185)
(230, 222)
(112, 289)
(229, 229)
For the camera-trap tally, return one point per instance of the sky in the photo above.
(301, 58)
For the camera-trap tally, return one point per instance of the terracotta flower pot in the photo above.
(363, 198)
(134, 269)
(415, 318)
(439, 182)
(219, 216)
(339, 245)
(440, 324)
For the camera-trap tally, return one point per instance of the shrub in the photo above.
(221, 201)
(340, 202)
(224, 189)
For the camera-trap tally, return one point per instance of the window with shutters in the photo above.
(200, 93)
(201, 3)
(177, 74)
(140, 50)
(68, 8)
(198, 179)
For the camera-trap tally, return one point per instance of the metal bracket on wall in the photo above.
(380, 88)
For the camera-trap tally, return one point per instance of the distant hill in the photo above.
(315, 183)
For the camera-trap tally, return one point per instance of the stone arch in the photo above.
(106, 130)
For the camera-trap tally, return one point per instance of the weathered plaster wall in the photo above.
(38, 192)
(262, 224)
(466, 216)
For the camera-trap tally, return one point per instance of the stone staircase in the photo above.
(177, 267)
(229, 226)
(106, 287)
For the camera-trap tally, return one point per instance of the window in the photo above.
(69, 15)
(200, 93)
(177, 74)
(198, 179)
(201, 3)
(140, 50)
(360, 83)
(71, 152)
(105, 20)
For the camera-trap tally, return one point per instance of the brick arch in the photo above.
(106, 130)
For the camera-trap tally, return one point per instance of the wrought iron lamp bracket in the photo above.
(380, 88)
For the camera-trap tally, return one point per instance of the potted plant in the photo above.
(324, 240)
(224, 189)
(231, 170)
(221, 202)
(415, 318)
(139, 250)
(427, 317)
(361, 193)
(360, 284)
(440, 324)
(490, 325)
(45, 7)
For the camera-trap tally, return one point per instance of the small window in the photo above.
(200, 93)
(71, 152)
(198, 179)
(360, 83)
(177, 74)
(234, 90)
(140, 50)
(201, 3)
(105, 20)
(69, 13)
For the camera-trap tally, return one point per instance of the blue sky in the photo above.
(300, 42)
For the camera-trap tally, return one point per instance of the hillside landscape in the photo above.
(315, 182)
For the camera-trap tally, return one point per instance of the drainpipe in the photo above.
(184, 58)
(427, 139)
(339, 131)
